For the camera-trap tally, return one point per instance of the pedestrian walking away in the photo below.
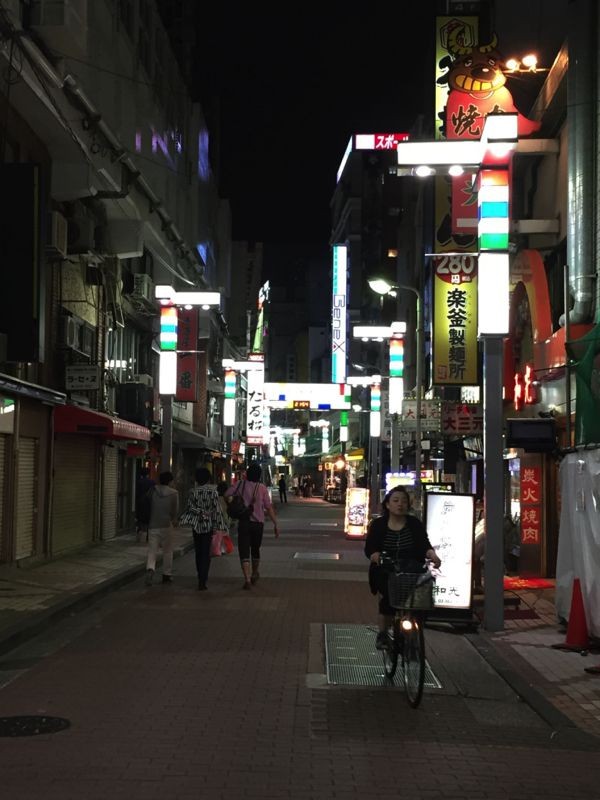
(402, 536)
(143, 499)
(163, 519)
(250, 528)
(204, 512)
(282, 489)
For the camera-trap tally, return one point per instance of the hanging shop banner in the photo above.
(455, 321)
(254, 405)
(450, 522)
(187, 362)
(357, 512)
(531, 501)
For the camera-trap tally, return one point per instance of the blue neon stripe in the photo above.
(324, 406)
(491, 209)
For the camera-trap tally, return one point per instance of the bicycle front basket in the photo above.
(404, 592)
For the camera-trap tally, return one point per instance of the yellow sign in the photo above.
(455, 321)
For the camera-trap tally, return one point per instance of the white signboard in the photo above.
(315, 396)
(431, 419)
(339, 309)
(82, 379)
(450, 520)
(255, 407)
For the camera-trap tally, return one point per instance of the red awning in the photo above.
(75, 419)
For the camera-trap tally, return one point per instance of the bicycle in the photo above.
(410, 595)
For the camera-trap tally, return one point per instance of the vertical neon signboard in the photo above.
(255, 406)
(229, 404)
(396, 387)
(375, 415)
(339, 333)
(168, 328)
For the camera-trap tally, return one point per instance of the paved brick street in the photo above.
(175, 693)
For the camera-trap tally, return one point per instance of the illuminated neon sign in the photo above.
(339, 333)
(524, 390)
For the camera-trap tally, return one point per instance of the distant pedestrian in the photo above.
(296, 485)
(203, 505)
(282, 489)
(250, 530)
(143, 498)
(163, 519)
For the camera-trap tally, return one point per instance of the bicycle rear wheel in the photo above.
(413, 662)
(390, 652)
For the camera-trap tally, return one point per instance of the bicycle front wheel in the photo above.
(390, 651)
(413, 662)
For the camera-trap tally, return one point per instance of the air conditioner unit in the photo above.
(143, 288)
(146, 380)
(71, 332)
(81, 235)
(57, 234)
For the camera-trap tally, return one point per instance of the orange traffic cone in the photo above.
(577, 632)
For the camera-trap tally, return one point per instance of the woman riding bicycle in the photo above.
(403, 537)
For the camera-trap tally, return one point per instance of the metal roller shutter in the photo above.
(26, 510)
(74, 493)
(2, 497)
(109, 492)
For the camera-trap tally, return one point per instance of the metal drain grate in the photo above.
(353, 660)
(32, 726)
(317, 556)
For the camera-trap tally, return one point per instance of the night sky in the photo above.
(292, 89)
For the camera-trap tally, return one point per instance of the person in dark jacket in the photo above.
(143, 501)
(402, 536)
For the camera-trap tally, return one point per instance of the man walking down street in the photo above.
(143, 499)
(282, 489)
(163, 519)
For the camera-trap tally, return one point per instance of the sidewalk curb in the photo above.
(18, 634)
(561, 724)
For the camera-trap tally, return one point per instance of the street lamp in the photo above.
(382, 287)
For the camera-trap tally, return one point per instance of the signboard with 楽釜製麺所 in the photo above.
(455, 320)
(450, 523)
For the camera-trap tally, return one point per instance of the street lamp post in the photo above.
(489, 157)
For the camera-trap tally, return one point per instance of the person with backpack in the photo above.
(257, 500)
(143, 499)
(163, 519)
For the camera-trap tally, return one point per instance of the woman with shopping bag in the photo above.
(204, 514)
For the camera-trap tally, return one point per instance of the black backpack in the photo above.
(236, 508)
(144, 506)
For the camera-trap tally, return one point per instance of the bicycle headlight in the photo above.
(406, 624)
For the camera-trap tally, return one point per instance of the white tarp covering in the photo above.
(579, 537)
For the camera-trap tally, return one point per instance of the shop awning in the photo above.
(190, 440)
(75, 419)
(33, 390)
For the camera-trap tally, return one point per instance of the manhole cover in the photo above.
(317, 556)
(352, 660)
(32, 726)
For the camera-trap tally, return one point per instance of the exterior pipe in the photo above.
(581, 91)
